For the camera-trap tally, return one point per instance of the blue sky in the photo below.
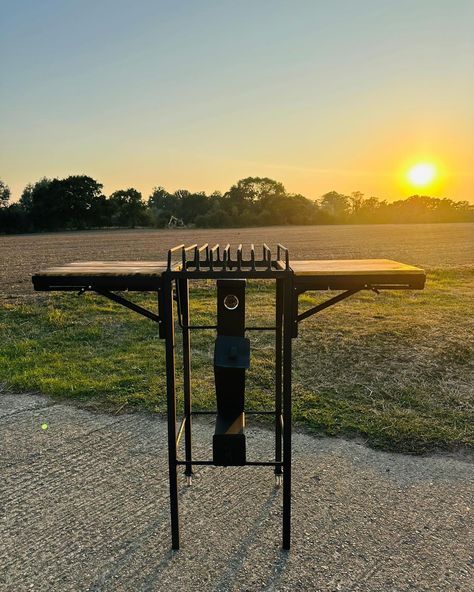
(320, 95)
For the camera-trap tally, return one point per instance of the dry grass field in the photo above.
(395, 369)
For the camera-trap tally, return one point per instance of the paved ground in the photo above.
(84, 506)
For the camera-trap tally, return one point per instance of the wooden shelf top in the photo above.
(352, 267)
(106, 268)
(323, 274)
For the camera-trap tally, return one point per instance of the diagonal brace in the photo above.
(131, 305)
(319, 307)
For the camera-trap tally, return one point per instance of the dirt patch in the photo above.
(427, 245)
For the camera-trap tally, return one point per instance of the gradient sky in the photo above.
(319, 95)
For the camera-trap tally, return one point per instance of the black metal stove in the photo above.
(231, 359)
(232, 346)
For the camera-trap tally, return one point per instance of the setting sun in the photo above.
(421, 174)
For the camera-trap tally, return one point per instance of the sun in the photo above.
(422, 174)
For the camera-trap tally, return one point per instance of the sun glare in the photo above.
(421, 174)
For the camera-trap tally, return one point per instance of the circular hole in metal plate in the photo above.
(231, 302)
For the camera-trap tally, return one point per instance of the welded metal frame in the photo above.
(203, 262)
(211, 263)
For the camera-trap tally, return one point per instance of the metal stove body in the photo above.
(231, 359)
(170, 281)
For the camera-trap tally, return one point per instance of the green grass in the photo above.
(395, 369)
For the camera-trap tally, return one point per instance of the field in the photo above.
(395, 369)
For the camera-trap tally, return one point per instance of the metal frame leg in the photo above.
(287, 337)
(278, 377)
(171, 407)
(184, 297)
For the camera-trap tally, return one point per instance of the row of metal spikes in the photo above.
(211, 258)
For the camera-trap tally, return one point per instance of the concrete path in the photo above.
(84, 506)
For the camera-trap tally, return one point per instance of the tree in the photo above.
(160, 199)
(192, 205)
(254, 189)
(336, 205)
(127, 207)
(82, 201)
(216, 217)
(38, 201)
(13, 219)
(423, 208)
(4, 194)
(161, 206)
(356, 200)
(73, 202)
(5, 222)
(371, 210)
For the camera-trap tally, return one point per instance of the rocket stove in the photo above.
(231, 270)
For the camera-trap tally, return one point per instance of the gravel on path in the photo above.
(84, 506)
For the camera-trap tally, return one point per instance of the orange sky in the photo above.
(198, 95)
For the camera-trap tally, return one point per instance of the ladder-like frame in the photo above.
(208, 263)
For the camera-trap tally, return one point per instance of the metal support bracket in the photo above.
(131, 305)
(319, 307)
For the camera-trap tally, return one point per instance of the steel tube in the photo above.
(184, 297)
(287, 337)
(171, 406)
(278, 368)
(253, 463)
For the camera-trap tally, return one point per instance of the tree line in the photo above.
(78, 202)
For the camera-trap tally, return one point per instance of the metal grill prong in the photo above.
(204, 247)
(170, 254)
(212, 250)
(252, 257)
(185, 256)
(281, 248)
(267, 256)
(226, 257)
(212, 259)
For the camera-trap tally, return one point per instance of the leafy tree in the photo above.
(82, 201)
(38, 201)
(192, 205)
(336, 205)
(371, 210)
(423, 208)
(182, 203)
(255, 189)
(13, 219)
(160, 199)
(127, 207)
(4, 194)
(216, 217)
(161, 206)
(73, 202)
(356, 200)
